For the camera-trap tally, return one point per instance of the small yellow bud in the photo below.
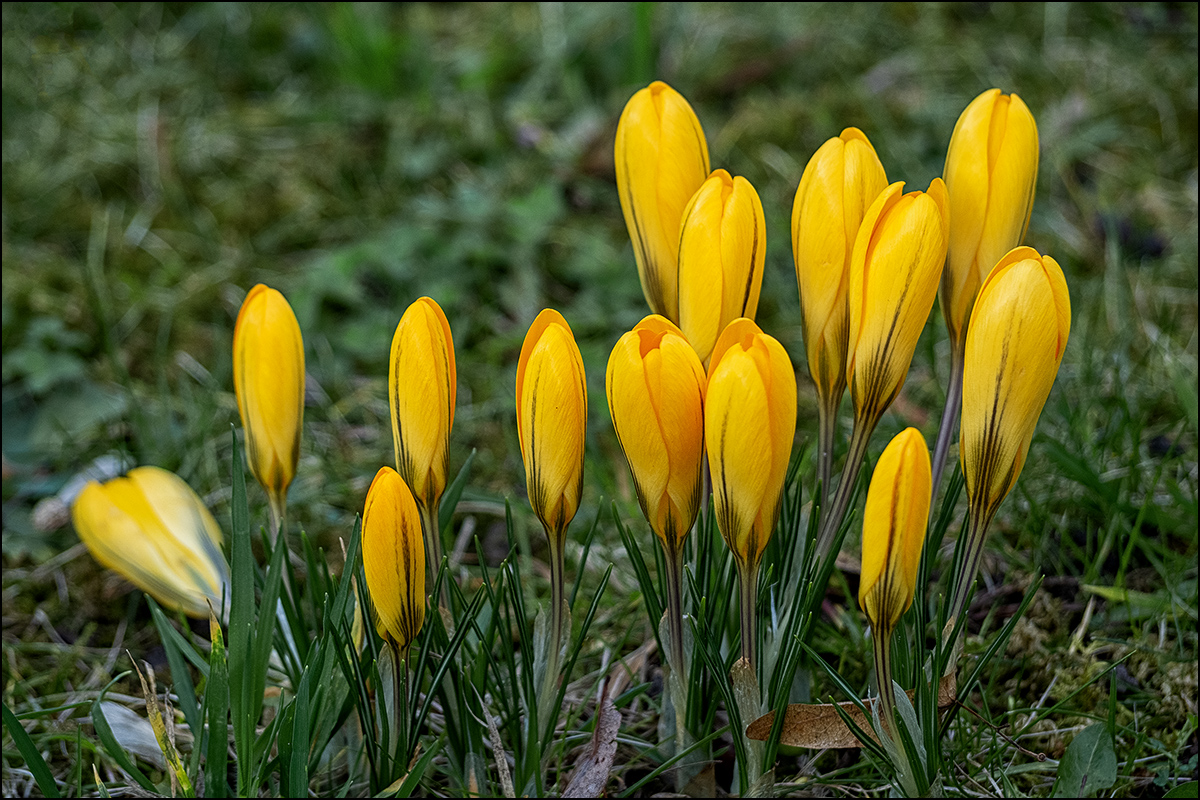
(656, 397)
(661, 160)
(394, 559)
(156, 532)
(894, 529)
(722, 245)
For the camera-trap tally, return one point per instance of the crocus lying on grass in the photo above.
(150, 527)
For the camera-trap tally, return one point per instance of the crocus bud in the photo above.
(656, 398)
(150, 527)
(393, 556)
(722, 244)
(894, 529)
(839, 184)
(991, 174)
(897, 261)
(552, 420)
(1015, 341)
(749, 424)
(268, 376)
(661, 160)
(421, 388)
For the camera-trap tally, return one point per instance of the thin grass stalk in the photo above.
(831, 521)
(949, 421)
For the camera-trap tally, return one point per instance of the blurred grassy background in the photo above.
(160, 160)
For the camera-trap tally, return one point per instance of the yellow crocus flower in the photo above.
(722, 245)
(894, 529)
(839, 184)
(656, 398)
(394, 559)
(268, 376)
(991, 174)
(661, 160)
(150, 527)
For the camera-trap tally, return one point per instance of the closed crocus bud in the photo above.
(991, 174)
(722, 244)
(268, 376)
(656, 397)
(894, 529)
(749, 424)
(897, 262)
(661, 160)
(552, 420)
(1015, 342)
(154, 530)
(394, 559)
(839, 184)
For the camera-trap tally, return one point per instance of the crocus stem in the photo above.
(949, 422)
(972, 554)
(674, 559)
(276, 515)
(555, 632)
(748, 579)
(400, 701)
(826, 433)
(882, 637)
(832, 520)
(432, 533)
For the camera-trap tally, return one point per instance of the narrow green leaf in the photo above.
(216, 701)
(111, 746)
(181, 679)
(454, 492)
(29, 752)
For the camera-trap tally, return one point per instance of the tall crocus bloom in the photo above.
(394, 559)
(268, 376)
(893, 535)
(991, 173)
(655, 389)
(722, 246)
(839, 184)
(749, 424)
(1015, 342)
(661, 160)
(150, 527)
(895, 268)
(551, 425)
(422, 383)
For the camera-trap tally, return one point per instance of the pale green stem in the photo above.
(832, 520)
(972, 555)
(674, 559)
(554, 634)
(826, 434)
(748, 580)
(432, 534)
(887, 694)
(949, 424)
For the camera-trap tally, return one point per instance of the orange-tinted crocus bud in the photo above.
(839, 184)
(154, 530)
(552, 420)
(1015, 343)
(722, 245)
(268, 376)
(656, 397)
(897, 262)
(422, 383)
(894, 529)
(991, 174)
(393, 556)
(749, 424)
(661, 160)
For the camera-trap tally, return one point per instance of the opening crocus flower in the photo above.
(749, 424)
(897, 262)
(1015, 343)
(150, 527)
(422, 383)
(722, 245)
(268, 376)
(661, 160)
(394, 559)
(839, 184)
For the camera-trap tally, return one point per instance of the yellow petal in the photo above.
(1015, 342)
(661, 160)
(552, 419)
(268, 375)
(894, 522)
(152, 529)
(422, 383)
(394, 558)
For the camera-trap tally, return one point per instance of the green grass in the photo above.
(160, 160)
